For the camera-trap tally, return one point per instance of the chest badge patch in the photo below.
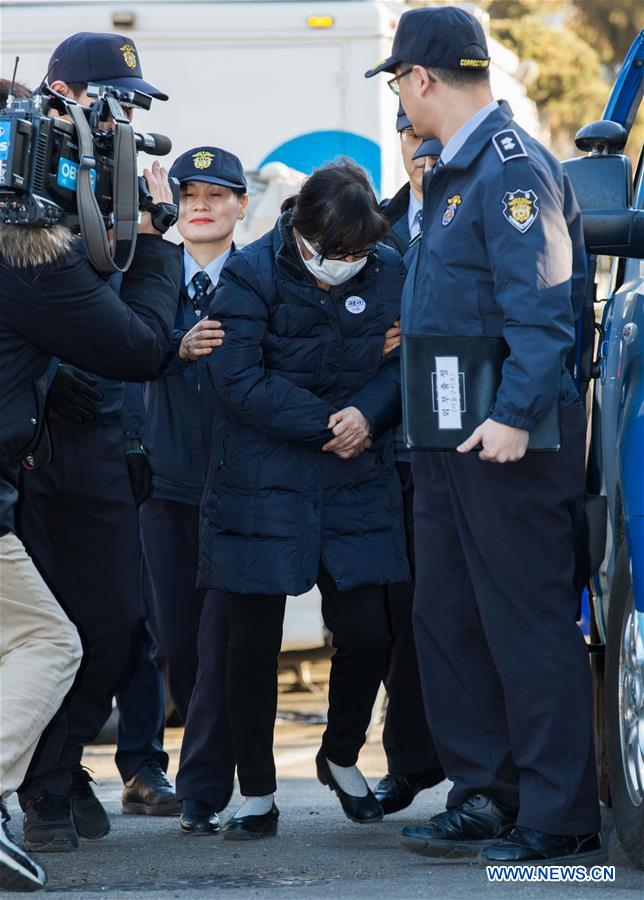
(521, 208)
(355, 305)
(453, 204)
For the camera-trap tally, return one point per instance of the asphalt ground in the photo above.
(317, 854)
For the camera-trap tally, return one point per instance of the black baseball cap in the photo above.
(430, 147)
(445, 37)
(402, 121)
(210, 164)
(100, 59)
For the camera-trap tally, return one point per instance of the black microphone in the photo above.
(155, 144)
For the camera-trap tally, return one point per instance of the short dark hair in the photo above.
(77, 87)
(19, 91)
(461, 79)
(337, 208)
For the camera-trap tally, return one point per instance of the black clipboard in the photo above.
(449, 386)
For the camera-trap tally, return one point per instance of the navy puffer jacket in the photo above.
(275, 505)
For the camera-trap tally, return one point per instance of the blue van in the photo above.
(610, 373)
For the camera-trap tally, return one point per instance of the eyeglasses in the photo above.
(355, 254)
(409, 137)
(393, 82)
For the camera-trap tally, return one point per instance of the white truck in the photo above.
(275, 81)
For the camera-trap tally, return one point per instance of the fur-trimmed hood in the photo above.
(29, 245)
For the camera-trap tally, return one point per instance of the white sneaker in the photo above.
(18, 872)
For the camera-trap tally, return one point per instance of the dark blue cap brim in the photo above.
(402, 122)
(212, 179)
(134, 84)
(387, 65)
(430, 147)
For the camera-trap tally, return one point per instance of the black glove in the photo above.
(136, 457)
(72, 395)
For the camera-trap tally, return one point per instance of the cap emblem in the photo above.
(129, 55)
(203, 159)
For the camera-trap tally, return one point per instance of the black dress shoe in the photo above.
(358, 809)
(521, 845)
(396, 792)
(252, 828)
(198, 818)
(149, 793)
(458, 834)
(48, 825)
(90, 819)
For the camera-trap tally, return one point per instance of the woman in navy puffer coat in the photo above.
(302, 487)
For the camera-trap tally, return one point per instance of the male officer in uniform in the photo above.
(191, 625)
(405, 209)
(412, 762)
(504, 667)
(78, 519)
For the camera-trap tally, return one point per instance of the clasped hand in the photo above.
(351, 433)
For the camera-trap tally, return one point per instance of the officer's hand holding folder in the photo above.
(449, 387)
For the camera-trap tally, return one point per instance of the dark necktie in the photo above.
(201, 283)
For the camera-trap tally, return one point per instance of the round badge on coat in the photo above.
(355, 305)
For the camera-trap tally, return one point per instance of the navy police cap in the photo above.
(430, 147)
(443, 37)
(210, 164)
(100, 59)
(402, 121)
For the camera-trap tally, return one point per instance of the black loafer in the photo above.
(359, 809)
(521, 845)
(396, 792)
(252, 828)
(198, 818)
(458, 834)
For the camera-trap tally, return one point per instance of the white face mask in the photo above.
(331, 271)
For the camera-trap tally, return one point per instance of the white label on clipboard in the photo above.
(448, 393)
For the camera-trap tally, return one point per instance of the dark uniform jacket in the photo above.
(502, 253)
(178, 419)
(396, 211)
(66, 309)
(274, 504)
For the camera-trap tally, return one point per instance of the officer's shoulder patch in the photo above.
(520, 208)
(508, 145)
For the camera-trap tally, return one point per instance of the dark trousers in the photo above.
(406, 737)
(207, 763)
(78, 519)
(504, 667)
(141, 706)
(357, 620)
(190, 629)
(170, 536)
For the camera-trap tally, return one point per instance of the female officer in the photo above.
(302, 486)
(178, 408)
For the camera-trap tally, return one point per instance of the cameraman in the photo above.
(53, 303)
(78, 520)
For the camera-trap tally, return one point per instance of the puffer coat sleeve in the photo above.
(259, 397)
